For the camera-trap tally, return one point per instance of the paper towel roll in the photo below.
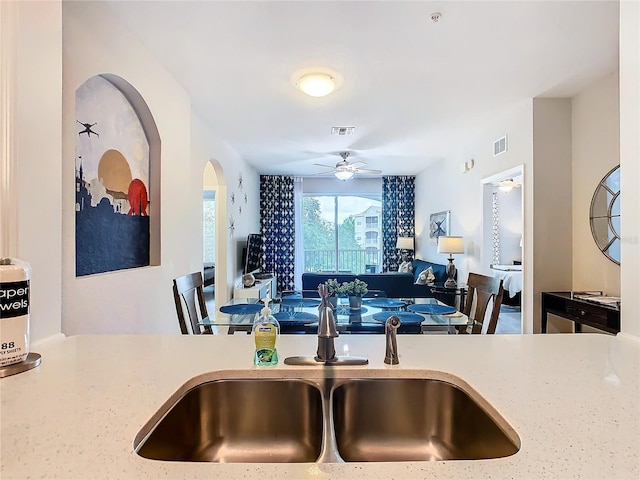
(15, 276)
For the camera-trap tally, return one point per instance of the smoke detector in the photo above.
(435, 17)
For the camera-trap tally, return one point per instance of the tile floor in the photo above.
(509, 320)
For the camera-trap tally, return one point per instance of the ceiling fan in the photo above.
(344, 169)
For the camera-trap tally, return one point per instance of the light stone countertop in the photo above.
(572, 399)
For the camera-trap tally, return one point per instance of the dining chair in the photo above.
(482, 290)
(187, 291)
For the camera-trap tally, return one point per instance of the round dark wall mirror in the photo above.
(605, 215)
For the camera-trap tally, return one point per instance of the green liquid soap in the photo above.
(266, 330)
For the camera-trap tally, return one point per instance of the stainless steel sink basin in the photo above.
(402, 420)
(326, 419)
(239, 420)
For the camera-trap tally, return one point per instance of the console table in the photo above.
(265, 287)
(580, 312)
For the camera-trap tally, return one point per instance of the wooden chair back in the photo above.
(482, 290)
(188, 295)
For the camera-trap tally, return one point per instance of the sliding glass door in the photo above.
(342, 233)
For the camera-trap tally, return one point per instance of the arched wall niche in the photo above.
(130, 143)
(153, 137)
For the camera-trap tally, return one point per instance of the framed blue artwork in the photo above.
(439, 225)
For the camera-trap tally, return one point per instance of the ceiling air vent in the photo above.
(500, 146)
(343, 130)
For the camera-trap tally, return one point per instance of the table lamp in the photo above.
(450, 245)
(404, 244)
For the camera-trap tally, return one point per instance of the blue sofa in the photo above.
(394, 284)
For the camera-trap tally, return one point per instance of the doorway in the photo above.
(503, 242)
(214, 240)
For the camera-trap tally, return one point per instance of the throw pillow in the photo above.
(405, 267)
(426, 277)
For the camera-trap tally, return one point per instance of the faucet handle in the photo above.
(392, 322)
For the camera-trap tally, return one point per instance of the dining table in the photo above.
(298, 315)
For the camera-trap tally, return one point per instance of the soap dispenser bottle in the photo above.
(266, 330)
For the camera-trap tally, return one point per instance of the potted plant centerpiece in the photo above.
(355, 291)
(333, 291)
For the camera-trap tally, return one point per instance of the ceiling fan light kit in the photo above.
(316, 84)
(343, 174)
(344, 170)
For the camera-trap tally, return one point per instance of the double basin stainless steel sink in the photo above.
(291, 420)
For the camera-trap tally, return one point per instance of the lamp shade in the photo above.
(450, 244)
(405, 243)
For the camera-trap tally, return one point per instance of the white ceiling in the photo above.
(412, 88)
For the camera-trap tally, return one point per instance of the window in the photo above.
(334, 229)
(209, 226)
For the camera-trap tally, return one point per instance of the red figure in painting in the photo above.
(137, 198)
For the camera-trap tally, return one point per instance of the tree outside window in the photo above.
(333, 232)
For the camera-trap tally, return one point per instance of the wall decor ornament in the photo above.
(112, 229)
(232, 226)
(495, 229)
(604, 215)
(233, 198)
(439, 225)
(240, 181)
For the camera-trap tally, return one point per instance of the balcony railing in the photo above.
(353, 261)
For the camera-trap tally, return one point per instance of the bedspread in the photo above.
(511, 276)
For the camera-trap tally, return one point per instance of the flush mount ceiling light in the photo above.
(508, 185)
(316, 81)
(316, 84)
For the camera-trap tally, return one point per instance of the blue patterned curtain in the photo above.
(277, 225)
(398, 217)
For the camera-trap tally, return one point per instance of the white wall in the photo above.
(333, 186)
(32, 81)
(595, 122)
(208, 146)
(442, 186)
(549, 248)
(137, 300)
(630, 165)
(563, 145)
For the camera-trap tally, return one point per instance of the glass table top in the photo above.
(300, 315)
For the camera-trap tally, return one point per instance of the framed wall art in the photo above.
(438, 225)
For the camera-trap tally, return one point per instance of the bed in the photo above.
(511, 276)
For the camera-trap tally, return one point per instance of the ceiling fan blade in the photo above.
(357, 162)
(331, 172)
(325, 166)
(367, 170)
